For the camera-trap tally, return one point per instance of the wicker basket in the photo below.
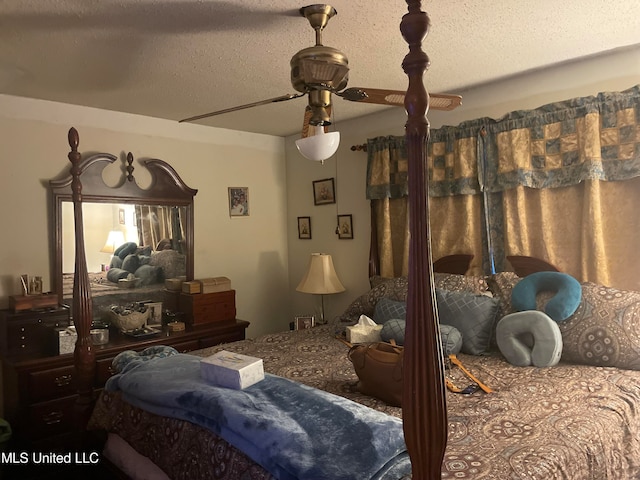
(130, 321)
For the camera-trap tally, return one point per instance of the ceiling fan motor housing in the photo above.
(319, 67)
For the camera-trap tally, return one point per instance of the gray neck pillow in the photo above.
(529, 338)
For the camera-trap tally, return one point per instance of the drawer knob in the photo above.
(62, 380)
(52, 418)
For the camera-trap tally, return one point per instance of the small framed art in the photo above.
(324, 191)
(121, 216)
(345, 227)
(238, 201)
(155, 317)
(304, 228)
(302, 323)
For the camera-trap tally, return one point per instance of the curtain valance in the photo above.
(557, 145)
(564, 143)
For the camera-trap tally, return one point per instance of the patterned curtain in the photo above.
(159, 222)
(521, 177)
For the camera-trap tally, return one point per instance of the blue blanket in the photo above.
(294, 431)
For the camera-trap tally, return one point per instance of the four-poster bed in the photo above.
(518, 431)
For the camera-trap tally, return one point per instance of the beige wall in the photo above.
(612, 72)
(251, 251)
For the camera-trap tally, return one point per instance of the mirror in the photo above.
(134, 238)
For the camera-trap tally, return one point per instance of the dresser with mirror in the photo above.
(155, 224)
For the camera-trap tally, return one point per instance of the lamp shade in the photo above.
(321, 277)
(320, 146)
(114, 240)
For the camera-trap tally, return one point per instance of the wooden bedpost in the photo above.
(424, 408)
(84, 354)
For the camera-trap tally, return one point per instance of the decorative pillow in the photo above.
(396, 289)
(115, 274)
(172, 263)
(148, 275)
(501, 286)
(566, 290)
(387, 309)
(461, 283)
(605, 329)
(131, 263)
(473, 315)
(393, 330)
(125, 249)
(529, 338)
(450, 337)
(116, 262)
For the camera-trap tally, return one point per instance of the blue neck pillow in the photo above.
(568, 293)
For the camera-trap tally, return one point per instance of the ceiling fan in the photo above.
(320, 71)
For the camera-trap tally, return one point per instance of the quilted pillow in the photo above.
(450, 337)
(396, 289)
(473, 315)
(387, 309)
(605, 329)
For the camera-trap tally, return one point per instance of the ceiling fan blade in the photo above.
(281, 98)
(379, 96)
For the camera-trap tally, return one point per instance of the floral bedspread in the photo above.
(569, 421)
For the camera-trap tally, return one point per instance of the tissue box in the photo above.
(67, 340)
(232, 370)
(363, 333)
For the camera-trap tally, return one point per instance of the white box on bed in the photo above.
(232, 370)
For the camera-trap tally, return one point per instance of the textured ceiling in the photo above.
(177, 58)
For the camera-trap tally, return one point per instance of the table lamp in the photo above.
(320, 279)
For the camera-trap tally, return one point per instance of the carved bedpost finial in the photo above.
(75, 157)
(424, 409)
(82, 311)
(130, 166)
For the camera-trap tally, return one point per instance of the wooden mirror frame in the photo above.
(166, 188)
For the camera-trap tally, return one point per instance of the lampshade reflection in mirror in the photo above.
(320, 145)
(114, 240)
(320, 279)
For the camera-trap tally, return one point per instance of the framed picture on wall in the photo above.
(238, 201)
(121, 216)
(345, 227)
(304, 228)
(324, 191)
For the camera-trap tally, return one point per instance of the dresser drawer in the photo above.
(29, 333)
(51, 418)
(103, 371)
(53, 383)
(209, 307)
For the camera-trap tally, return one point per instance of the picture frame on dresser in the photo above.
(155, 315)
(305, 322)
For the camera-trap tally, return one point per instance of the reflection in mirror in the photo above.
(134, 238)
(127, 246)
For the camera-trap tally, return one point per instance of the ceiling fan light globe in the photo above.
(320, 146)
